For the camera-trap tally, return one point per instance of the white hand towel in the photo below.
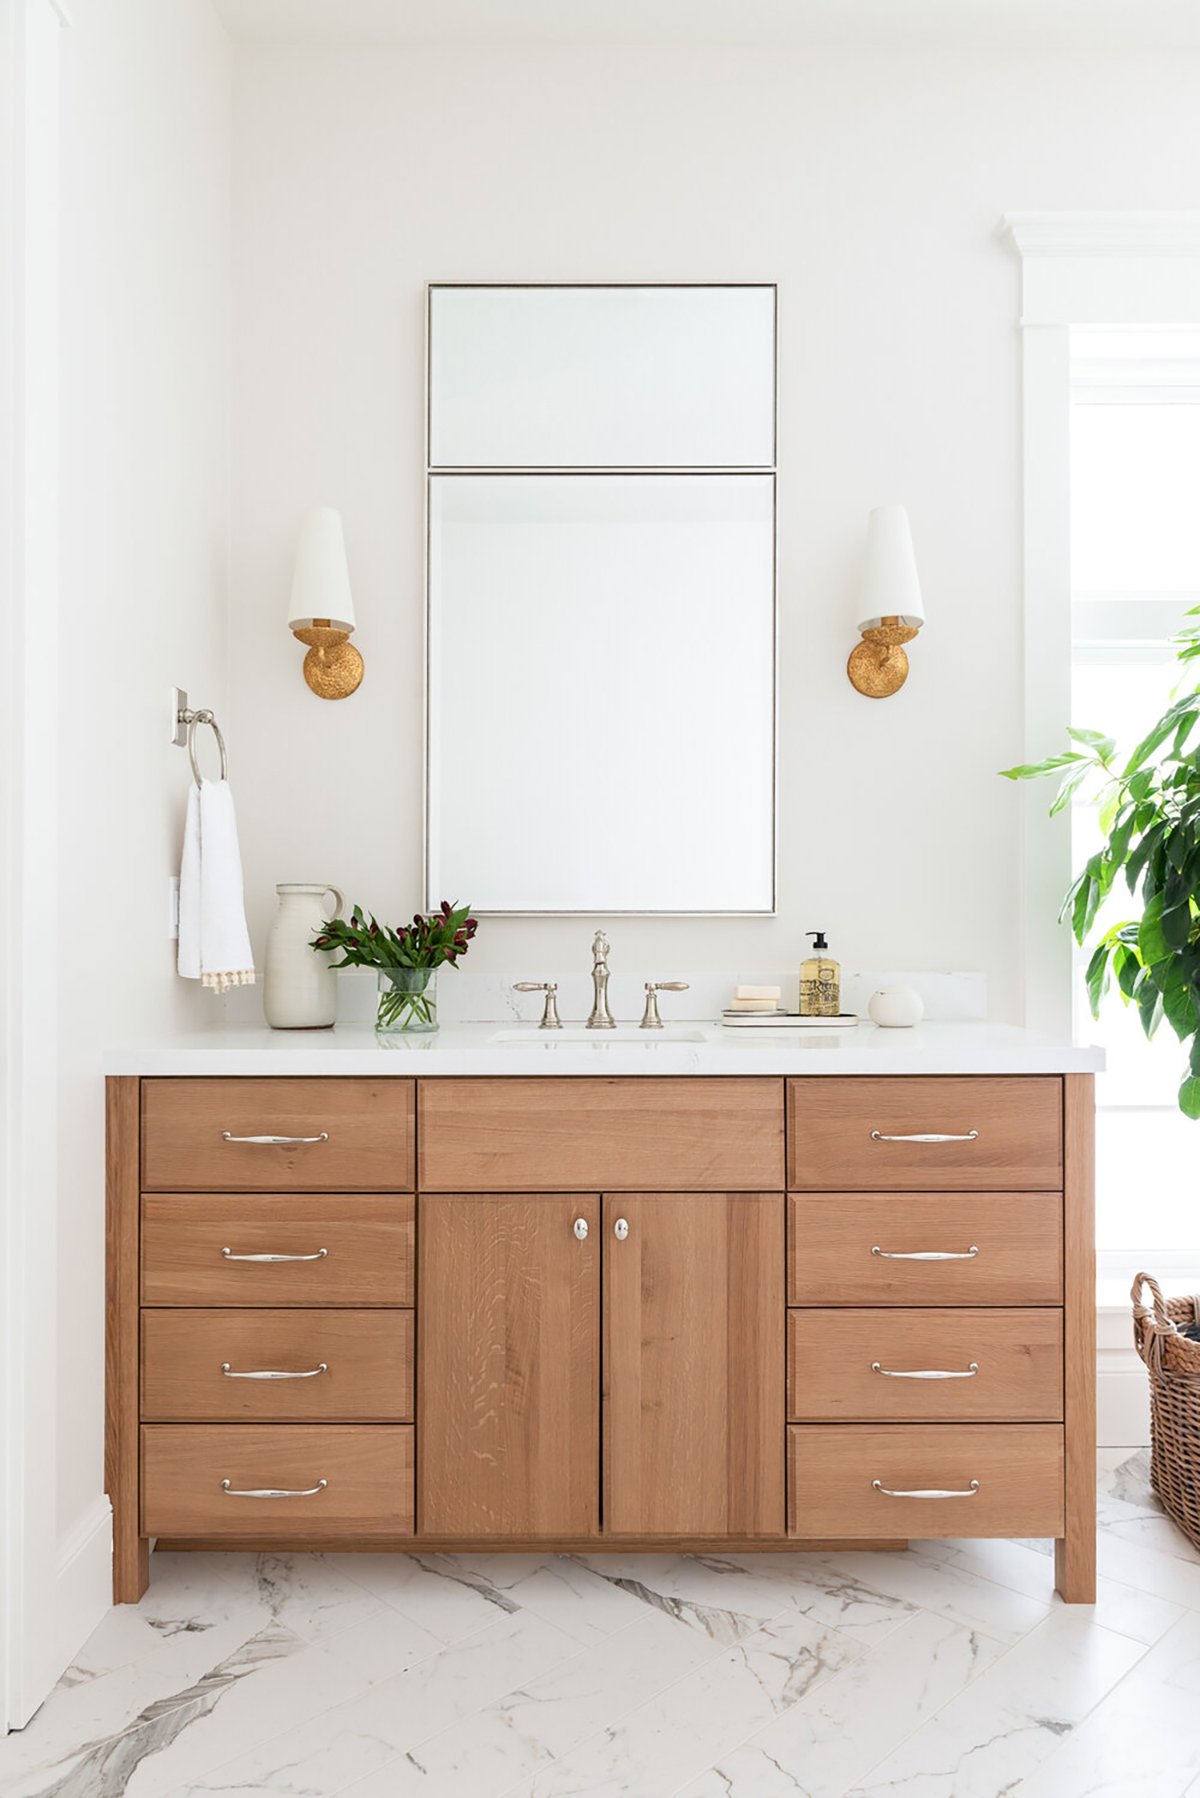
(214, 944)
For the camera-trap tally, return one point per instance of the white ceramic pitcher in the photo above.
(300, 986)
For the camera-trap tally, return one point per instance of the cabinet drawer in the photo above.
(356, 1135)
(847, 1365)
(833, 1239)
(832, 1470)
(367, 1474)
(632, 1135)
(367, 1243)
(979, 1134)
(365, 1360)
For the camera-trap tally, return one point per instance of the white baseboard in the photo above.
(84, 1580)
(1122, 1390)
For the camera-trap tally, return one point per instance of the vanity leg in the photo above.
(131, 1551)
(1075, 1552)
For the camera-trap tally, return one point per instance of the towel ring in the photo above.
(205, 717)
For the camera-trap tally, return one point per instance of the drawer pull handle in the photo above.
(275, 1142)
(319, 1255)
(934, 1136)
(925, 1373)
(271, 1373)
(621, 1229)
(273, 1491)
(932, 1492)
(581, 1229)
(925, 1254)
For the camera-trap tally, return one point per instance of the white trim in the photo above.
(1122, 1392)
(83, 1580)
(1104, 234)
(29, 50)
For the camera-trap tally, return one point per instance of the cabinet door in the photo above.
(509, 1365)
(694, 1355)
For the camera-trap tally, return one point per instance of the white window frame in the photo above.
(1077, 268)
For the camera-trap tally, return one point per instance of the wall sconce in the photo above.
(888, 607)
(321, 609)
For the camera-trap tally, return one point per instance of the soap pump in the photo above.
(820, 981)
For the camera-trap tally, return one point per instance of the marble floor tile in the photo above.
(1166, 1576)
(1013, 1717)
(1118, 1607)
(1142, 1740)
(730, 1596)
(349, 1741)
(835, 1734)
(311, 1594)
(931, 1584)
(674, 1737)
(545, 1718)
(564, 1591)
(442, 1594)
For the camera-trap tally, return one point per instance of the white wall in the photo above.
(146, 104)
(869, 184)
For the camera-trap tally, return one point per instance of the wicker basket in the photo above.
(1174, 1365)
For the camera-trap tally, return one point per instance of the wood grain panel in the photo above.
(1019, 1467)
(1017, 1145)
(1075, 1550)
(368, 1472)
(367, 1357)
(509, 1366)
(1018, 1236)
(566, 1135)
(694, 1364)
(368, 1124)
(369, 1244)
(1018, 1356)
(131, 1551)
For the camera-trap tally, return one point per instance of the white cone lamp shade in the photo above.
(321, 577)
(889, 586)
(321, 607)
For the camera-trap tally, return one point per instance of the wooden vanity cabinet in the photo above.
(571, 1311)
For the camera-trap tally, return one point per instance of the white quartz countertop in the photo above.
(685, 1048)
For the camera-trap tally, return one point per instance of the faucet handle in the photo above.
(650, 1017)
(550, 1017)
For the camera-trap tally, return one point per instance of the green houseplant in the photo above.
(406, 960)
(1149, 815)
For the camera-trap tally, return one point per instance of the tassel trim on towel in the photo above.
(221, 983)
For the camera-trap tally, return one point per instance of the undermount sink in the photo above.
(532, 1036)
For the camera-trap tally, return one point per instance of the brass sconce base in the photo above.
(878, 666)
(333, 667)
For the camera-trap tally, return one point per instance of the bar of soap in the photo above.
(760, 1005)
(758, 992)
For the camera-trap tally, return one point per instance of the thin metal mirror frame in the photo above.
(433, 469)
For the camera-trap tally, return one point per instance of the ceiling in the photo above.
(1019, 24)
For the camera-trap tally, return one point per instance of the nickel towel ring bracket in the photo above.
(184, 723)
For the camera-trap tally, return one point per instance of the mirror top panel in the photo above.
(673, 376)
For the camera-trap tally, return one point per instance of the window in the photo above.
(1135, 572)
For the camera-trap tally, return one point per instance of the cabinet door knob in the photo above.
(621, 1229)
(581, 1228)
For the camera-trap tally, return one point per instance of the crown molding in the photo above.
(1103, 233)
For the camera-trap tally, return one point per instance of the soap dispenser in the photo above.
(820, 981)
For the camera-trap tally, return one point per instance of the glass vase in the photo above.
(407, 1000)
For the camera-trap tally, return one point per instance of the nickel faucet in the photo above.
(601, 1018)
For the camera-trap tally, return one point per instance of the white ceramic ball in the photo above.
(896, 1008)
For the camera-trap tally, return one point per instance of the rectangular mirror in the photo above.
(601, 717)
